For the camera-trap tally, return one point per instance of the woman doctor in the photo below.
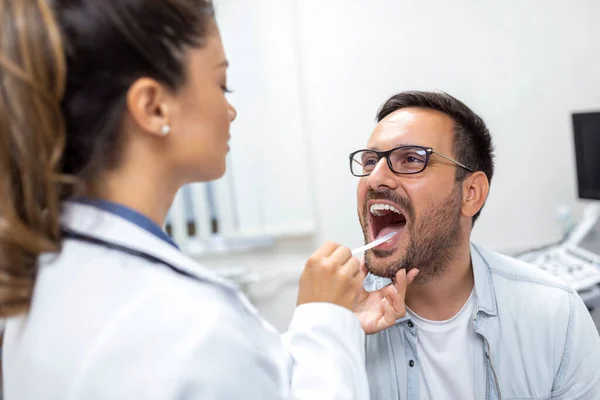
(107, 108)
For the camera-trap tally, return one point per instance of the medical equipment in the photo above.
(576, 259)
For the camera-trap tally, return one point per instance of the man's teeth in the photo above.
(377, 208)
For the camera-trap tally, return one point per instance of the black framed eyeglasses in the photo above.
(400, 160)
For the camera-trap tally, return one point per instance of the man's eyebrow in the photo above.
(223, 64)
(376, 148)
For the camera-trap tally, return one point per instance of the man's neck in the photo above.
(443, 297)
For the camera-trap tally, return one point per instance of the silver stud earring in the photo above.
(165, 129)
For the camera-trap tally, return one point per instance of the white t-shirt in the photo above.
(450, 355)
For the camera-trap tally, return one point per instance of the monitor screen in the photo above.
(586, 127)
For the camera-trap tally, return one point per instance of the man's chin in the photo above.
(383, 274)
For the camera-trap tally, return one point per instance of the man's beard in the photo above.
(433, 237)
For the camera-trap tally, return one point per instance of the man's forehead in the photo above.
(418, 126)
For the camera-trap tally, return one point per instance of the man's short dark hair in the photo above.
(472, 140)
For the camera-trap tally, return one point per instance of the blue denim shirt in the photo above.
(538, 339)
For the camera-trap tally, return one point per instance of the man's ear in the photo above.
(148, 106)
(476, 188)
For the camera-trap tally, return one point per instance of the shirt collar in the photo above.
(106, 226)
(484, 288)
(130, 215)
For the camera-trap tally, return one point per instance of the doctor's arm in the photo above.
(323, 350)
(227, 367)
(325, 346)
(324, 342)
(578, 377)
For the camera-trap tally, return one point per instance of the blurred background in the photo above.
(308, 77)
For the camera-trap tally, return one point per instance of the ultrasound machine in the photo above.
(576, 259)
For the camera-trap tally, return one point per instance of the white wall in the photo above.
(524, 66)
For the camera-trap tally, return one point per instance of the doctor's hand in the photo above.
(331, 275)
(380, 309)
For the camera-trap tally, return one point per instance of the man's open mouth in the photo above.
(385, 217)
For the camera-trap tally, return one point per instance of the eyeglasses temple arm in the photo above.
(454, 161)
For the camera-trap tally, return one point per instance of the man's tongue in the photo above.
(391, 228)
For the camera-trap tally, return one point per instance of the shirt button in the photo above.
(410, 324)
(411, 363)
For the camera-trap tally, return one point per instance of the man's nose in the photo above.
(382, 177)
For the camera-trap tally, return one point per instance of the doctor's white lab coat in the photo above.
(150, 323)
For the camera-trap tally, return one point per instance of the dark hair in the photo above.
(65, 69)
(109, 45)
(472, 140)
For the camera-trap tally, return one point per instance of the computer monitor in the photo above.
(586, 128)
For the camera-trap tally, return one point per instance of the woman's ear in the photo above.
(148, 104)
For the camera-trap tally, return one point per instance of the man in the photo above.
(477, 325)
